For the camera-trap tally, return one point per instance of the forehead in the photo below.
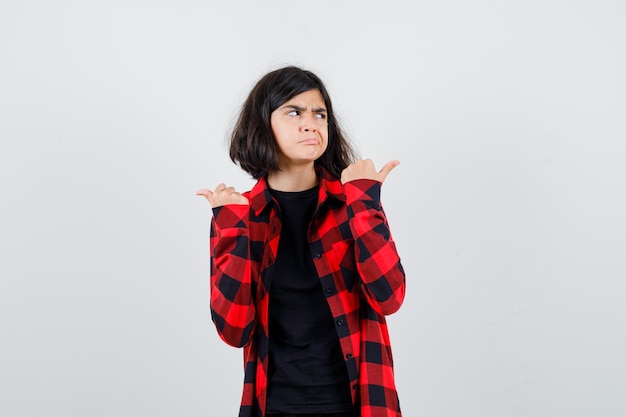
(307, 99)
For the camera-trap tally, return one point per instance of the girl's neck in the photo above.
(291, 180)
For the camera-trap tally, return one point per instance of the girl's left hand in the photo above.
(365, 170)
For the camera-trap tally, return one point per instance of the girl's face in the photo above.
(300, 127)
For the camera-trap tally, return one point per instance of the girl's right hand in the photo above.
(223, 195)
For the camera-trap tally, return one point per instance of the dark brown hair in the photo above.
(252, 142)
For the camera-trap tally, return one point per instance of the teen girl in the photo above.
(303, 266)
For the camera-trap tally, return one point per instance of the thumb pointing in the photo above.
(387, 169)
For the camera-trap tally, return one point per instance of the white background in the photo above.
(509, 118)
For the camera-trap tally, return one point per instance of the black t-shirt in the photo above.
(307, 373)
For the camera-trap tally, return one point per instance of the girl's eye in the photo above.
(320, 115)
(293, 113)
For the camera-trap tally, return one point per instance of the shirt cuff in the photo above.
(364, 190)
(231, 215)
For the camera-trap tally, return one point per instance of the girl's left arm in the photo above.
(377, 260)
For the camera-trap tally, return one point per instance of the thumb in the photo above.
(204, 192)
(387, 169)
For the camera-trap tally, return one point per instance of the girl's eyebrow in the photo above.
(300, 108)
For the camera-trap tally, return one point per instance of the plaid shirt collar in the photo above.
(331, 190)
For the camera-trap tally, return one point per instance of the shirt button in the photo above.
(339, 322)
(355, 386)
(349, 356)
(317, 256)
(329, 290)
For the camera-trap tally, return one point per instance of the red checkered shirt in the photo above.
(359, 269)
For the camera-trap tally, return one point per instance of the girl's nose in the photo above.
(308, 126)
(310, 122)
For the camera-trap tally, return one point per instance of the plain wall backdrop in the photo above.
(508, 208)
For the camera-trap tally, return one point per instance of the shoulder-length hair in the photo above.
(252, 142)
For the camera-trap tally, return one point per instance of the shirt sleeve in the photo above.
(232, 301)
(378, 263)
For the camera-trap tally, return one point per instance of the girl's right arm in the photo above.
(232, 301)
